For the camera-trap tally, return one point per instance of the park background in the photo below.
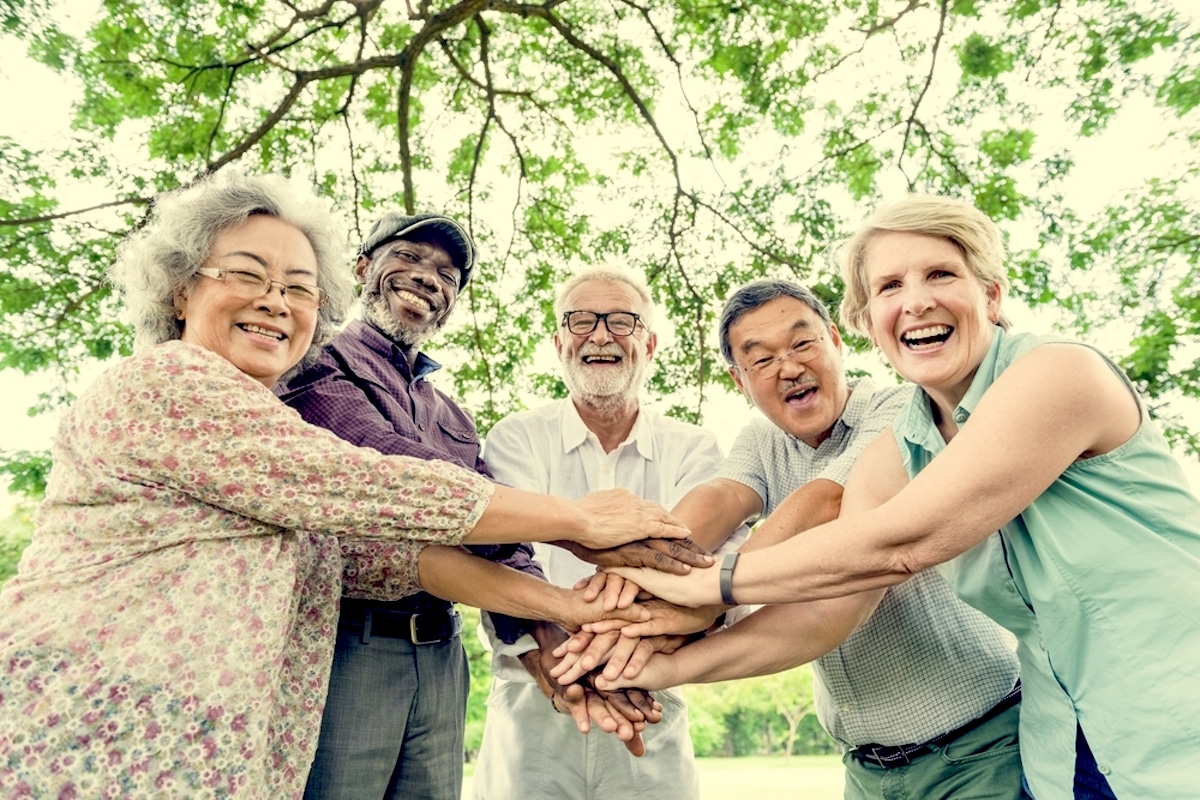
(704, 143)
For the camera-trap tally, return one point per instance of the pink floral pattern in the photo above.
(170, 630)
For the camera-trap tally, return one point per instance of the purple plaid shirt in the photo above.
(363, 389)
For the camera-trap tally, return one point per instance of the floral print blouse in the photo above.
(171, 626)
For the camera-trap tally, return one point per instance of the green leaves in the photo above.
(703, 144)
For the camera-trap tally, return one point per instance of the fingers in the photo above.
(606, 625)
(629, 593)
(668, 527)
(607, 718)
(576, 643)
(619, 655)
(677, 556)
(635, 746)
(622, 703)
(639, 656)
(650, 709)
(614, 592)
(593, 585)
(574, 698)
(575, 666)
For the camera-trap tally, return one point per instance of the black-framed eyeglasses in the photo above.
(249, 283)
(618, 323)
(768, 367)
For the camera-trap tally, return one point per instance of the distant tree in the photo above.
(704, 143)
(760, 715)
(15, 531)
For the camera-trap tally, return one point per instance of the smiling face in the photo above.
(411, 286)
(928, 312)
(262, 336)
(599, 368)
(803, 399)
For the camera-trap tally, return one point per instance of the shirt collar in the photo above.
(422, 366)
(575, 432)
(917, 423)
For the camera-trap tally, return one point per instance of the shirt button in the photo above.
(960, 416)
(421, 426)
(1010, 586)
(1103, 769)
(845, 707)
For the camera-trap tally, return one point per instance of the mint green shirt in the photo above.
(1099, 579)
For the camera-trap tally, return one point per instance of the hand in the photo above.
(623, 712)
(658, 672)
(676, 556)
(632, 709)
(582, 653)
(577, 609)
(664, 618)
(697, 588)
(619, 654)
(616, 591)
(617, 516)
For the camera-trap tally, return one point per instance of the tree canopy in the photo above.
(705, 143)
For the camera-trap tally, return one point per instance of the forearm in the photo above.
(814, 503)
(773, 639)
(714, 509)
(453, 574)
(514, 515)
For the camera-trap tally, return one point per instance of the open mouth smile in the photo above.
(801, 392)
(927, 337)
(414, 299)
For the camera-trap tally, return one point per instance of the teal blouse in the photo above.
(1099, 579)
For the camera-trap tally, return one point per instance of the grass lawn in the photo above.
(757, 777)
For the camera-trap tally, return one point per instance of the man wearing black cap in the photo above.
(394, 719)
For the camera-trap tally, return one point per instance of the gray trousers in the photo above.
(393, 723)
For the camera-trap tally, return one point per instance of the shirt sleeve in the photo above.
(185, 420)
(337, 403)
(744, 463)
(876, 418)
(510, 453)
(702, 461)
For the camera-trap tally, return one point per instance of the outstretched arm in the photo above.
(452, 573)
(1053, 406)
(774, 638)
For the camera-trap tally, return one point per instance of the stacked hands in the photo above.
(603, 670)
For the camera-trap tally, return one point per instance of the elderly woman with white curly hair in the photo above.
(170, 628)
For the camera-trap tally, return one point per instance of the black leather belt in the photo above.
(430, 627)
(892, 756)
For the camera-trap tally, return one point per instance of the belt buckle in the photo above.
(412, 632)
(445, 632)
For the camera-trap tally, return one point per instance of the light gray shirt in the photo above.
(925, 662)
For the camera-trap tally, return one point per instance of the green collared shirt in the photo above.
(1099, 578)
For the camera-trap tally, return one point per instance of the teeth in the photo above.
(929, 332)
(263, 331)
(416, 300)
(602, 359)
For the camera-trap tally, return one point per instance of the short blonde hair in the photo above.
(606, 274)
(948, 218)
(161, 259)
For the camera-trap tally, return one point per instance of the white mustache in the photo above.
(601, 350)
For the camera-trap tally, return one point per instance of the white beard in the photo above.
(377, 312)
(607, 387)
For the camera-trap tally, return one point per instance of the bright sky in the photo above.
(1103, 170)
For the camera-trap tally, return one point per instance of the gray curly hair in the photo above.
(160, 260)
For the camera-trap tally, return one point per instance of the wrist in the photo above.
(725, 578)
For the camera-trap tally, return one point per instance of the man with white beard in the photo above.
(598, 437)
